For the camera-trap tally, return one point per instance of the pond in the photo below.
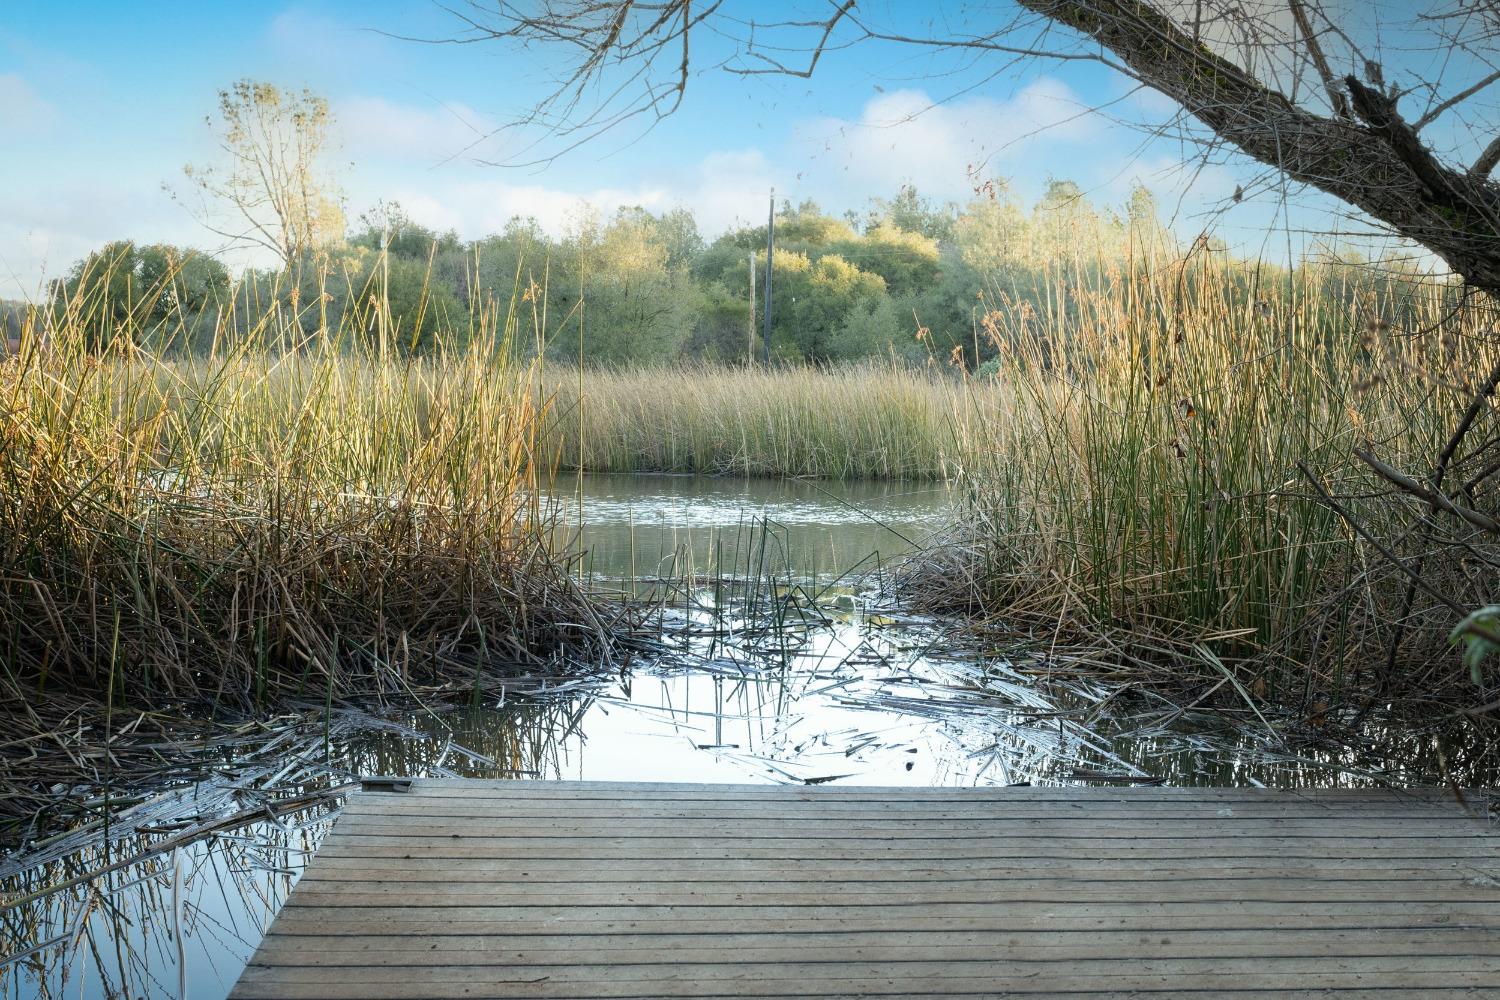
(642, 527)
(779, 665)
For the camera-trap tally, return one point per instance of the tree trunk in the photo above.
(1373, 160)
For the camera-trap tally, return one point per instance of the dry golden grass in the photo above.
(1139, 495)
(263, 524)
(866, 422)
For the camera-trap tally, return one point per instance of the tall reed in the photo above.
(873, 421)
(1136, 494)
(303, 512)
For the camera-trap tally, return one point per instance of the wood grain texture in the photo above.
(528, 889)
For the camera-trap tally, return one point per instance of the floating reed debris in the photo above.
(202, 820)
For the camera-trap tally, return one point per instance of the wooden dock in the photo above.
(476, 889)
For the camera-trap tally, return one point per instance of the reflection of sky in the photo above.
(824, 718)
(222, 893)
(819, 716)
(651, 526)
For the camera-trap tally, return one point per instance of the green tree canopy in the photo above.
(123, 289)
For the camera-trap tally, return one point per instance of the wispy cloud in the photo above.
(48, 226)
(317, 40)
(904, 137)
(723, 189)
(375, 126)
(22, 109)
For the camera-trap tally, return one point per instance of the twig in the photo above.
(1399, 479)
(1375, 543)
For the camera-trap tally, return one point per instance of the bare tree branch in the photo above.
(1378, 165)
(817, 50)
(1435, 499)
(1485, 165)
(1454, 101)
(1336, 98)
(1230, 67)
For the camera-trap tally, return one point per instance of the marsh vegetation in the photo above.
(1171, 462)
(240, 578)
(255, 523)
(1044, 490)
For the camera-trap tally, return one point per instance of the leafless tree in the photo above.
(270, 189)
(1299, 85)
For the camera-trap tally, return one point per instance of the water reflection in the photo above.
(777, 668)
(175, 925)
(645, 528)
(858, 701)
(110, 914)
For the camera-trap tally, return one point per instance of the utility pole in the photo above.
(770, 258)
(750, 330)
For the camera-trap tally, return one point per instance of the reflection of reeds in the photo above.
(520, 740)
(125, 933)
(100, 904)
(293, 515)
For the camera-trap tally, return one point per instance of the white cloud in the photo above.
(898, 138)
(318, 41)
(723, 189)
(22, 109)
(374, 126)
(904, 137)
(728, 189)
(476, 208)
(55, 221)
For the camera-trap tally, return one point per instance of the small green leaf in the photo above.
(1480, 634)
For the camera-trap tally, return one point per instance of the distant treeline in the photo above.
(909, 279)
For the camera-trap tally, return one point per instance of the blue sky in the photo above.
(103, 104)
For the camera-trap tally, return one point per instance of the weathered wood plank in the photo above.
(1000, 920)
(728, 913)
(1067, 827)
(625, 789)
(732, 868)
(542, 889)
(808, 812)
(593, 968)
(645, 848)
(560, 949)
(982, 990)
(488, 873)
(888, 979)
(586, 794)
(366, 891)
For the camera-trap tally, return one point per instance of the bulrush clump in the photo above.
(860, 421)
(293, 511)
(1174, 482)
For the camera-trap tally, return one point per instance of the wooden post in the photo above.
(770, 259)
(750, 330)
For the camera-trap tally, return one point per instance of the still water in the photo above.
(781, 666)
(656, 527)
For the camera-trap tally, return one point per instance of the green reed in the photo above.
(1136, 491)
